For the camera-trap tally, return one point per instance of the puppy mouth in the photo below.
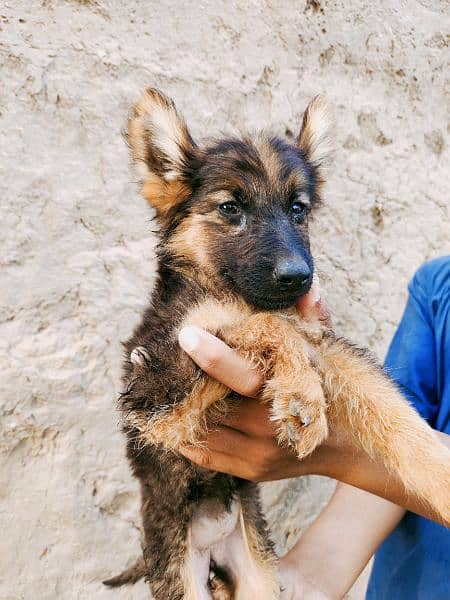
(272, 304)
(269, 300)
(276, 302)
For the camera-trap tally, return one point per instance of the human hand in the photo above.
(245, 445)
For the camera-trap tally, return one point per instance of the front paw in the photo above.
(299, 409)
(139, 356)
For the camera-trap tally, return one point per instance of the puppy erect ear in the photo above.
(161, 149)
(316, 137)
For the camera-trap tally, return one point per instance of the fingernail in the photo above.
(315, 295)
(189, 338)
(315, 290)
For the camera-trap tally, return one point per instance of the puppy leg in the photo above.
(258, 543)
(293, 387)
(183, 422)
(174, 569)
(180, 419)
(247, 557)
(298, 402)
(364, 401)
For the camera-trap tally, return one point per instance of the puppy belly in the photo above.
(219, 536)
(211, 523)
(251, 579)
(210, 526)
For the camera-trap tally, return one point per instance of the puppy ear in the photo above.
(316, 137)
(161, 149)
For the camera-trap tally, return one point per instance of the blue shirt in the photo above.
(414, 561)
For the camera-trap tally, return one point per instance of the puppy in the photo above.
(234, 257)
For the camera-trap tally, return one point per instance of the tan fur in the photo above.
(368, 405)
(269, 158)
(186, 422)
(316, 136)
(233, 541)
(326, 380)
(194, 574)
(313, 379)
(190, 240)
(162, 194)
(217, 316)
(273, 166)
(155, 128)
(220, 591)
(264, 562)
(297, 402)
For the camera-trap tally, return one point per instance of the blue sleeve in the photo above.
(411, 358)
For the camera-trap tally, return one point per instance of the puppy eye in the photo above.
(299, 211)
(230, 208)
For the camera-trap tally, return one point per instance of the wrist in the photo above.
(338, 456)
(334, 458)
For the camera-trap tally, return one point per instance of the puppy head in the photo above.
(235, 210)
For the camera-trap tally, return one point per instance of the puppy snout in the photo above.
(292, 273)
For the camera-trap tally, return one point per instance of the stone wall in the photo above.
(77, 243)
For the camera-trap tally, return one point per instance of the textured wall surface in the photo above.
(76, 243)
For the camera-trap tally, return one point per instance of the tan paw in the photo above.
(139, 356)
(299, 408)
(305, 430)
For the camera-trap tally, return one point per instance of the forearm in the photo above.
(340, 460)
(246, 444)
(343, 537)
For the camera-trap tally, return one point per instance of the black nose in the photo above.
(292, 273)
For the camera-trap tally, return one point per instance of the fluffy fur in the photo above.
(233, 258)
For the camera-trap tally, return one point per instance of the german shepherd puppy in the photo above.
(234, 257)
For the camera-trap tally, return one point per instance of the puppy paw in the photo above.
(299, 409)
(139, 356)
(304, 433)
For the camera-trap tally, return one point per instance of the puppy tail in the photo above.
(129, 576)
(365, 402)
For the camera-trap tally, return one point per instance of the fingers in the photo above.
(255, 459)
(220, 361)
(224, 454)
(251, 417)
(307, 304)
(311, 306)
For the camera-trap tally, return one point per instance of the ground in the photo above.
(77, 243)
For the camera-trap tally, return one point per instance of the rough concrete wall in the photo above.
(77, 244)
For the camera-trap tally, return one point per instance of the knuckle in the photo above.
(212, 360)
(254, 476)
(259, 471)
(250, 386)
(204, 459)
(266, 462)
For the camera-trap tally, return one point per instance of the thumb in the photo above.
(307, 304)
(312, 308)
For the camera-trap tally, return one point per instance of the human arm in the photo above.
(248, 447)
(344, 537)
(246, 444)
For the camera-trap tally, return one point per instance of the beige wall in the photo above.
(76, 252)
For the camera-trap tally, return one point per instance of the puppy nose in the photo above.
(292, 272)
